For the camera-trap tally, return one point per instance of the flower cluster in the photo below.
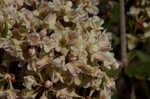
(140, 14)
(61, 46)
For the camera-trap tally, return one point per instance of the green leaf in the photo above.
(52, 94)
(113, 72)
(115, 96)
(132, 24)
(115, 18)
(116, 41)
(101, 85)
(139, 70)
(131, 55)
(143, 56)
(5, 31)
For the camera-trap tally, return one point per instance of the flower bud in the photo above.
(43, 33)
(69, 4)
(32, 51)
(48, 84)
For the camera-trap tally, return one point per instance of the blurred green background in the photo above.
(133, 81)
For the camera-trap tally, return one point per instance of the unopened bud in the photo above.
(48, 84)
(43, 33)
(32, 51)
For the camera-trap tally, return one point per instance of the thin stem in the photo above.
(123, 34)
(41, 78)
(10, 85)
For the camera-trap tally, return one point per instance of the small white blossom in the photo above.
(29, 82)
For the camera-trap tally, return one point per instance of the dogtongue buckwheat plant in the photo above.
(54, 49)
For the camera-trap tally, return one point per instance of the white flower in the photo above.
(34, 39)
(148, 12)
(56, 76)
(42, 62)
(67, 93)
(134, 11)
(74, 70)
(29, 82)
(19, 2)
(29, 2)
(105, 94)
(61, 37)
(43, 33)
(48, 84)
(51, 20)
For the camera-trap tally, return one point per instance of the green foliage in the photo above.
(115, 18)
(138, 43)
(116, 41)
(101, 85)
(138, 55)
(131, 24)
(112, 19)
(143, 56)
(139, 70)
(5, 31)
(131, 55)
(115, 96)
(113, 73)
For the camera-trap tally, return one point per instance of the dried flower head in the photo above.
(61, 46)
